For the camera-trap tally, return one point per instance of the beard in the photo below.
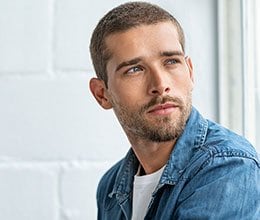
(161, 129)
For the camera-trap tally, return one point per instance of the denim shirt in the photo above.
(212, 173)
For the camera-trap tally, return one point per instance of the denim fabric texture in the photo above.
(212, 173)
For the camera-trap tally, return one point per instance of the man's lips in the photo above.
(163, 109)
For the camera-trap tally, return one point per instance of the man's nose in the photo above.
(159, 83)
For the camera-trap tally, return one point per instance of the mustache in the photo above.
(161, 100)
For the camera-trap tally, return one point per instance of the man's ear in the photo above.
(98, 89)
(190, 66)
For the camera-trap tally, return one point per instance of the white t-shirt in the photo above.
(142, 192)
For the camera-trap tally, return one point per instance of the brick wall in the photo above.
(55, 141)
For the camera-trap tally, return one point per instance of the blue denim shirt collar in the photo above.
(190, 141)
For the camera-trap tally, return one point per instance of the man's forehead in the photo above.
(169, 23)
(163, 34)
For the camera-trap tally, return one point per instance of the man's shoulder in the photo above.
(222, 141)
(108, 179)
(213, 138)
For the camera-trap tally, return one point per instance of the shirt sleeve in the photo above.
(224, 188)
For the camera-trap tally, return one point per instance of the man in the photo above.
(180, 166)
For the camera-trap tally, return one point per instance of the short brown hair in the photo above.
(122, 18)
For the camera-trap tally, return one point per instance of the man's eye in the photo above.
(171, 61)
(134, 70)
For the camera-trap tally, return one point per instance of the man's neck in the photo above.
(152, 155)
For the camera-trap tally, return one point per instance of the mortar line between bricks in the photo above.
(61, 163)
(59, 193)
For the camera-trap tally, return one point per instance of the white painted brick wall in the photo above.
(24, 35)
(55, 141)
(28, 191)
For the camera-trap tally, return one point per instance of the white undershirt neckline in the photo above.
(143, 188)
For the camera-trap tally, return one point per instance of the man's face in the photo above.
(150, 81)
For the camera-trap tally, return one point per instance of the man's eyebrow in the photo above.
(128, 63)
(171, 53)
(138, 59)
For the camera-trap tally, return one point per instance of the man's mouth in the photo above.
(163, 109)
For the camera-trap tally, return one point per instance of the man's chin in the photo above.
(162, 136)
